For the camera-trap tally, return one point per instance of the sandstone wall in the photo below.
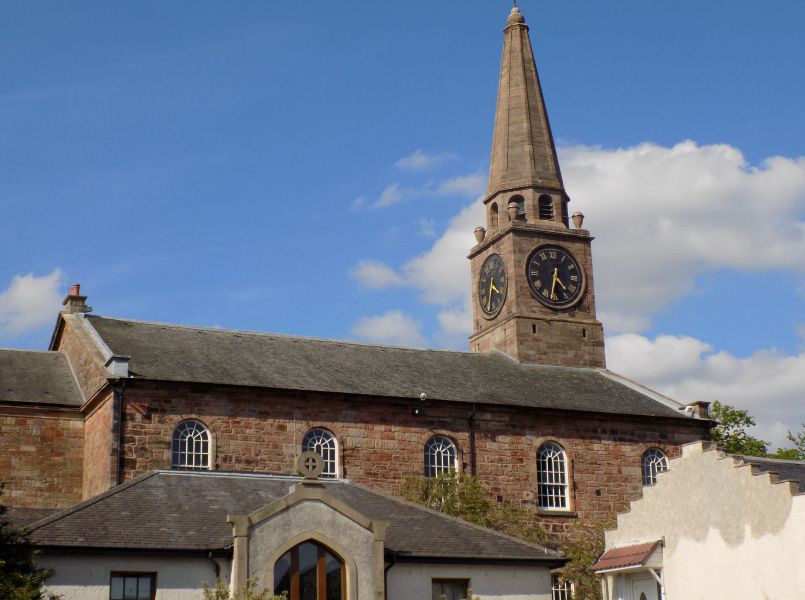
(40, 457)
(381, 441)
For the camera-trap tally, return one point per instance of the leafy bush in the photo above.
(249, 592)
(583, 547)
(20, 578)
(462, 496)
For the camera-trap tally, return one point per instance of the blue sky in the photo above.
(311, 169)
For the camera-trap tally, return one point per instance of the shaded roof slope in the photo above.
(784, 470)
(28, 376)
(187, 511)
(22, 517)
(191, 354)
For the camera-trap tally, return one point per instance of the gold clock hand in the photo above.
(553, 284)
(489, 300)
(492, 287)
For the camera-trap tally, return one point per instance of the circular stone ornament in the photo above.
(309, 465)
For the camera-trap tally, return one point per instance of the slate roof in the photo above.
(22, 517)
(28, 376)
(186, 511)
(191, 354)
(625, 556)
(783, 470)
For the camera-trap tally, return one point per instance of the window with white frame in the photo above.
(441, 455)
(323, 443)
(654, 461)
(551, 477)
(561, 589)
(191, 446)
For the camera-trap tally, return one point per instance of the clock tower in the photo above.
(532, 295)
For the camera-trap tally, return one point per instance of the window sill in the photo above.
(557, 513)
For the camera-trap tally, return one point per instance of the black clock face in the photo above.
(492, 284)
(555, 276)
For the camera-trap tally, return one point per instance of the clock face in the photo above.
(492, 284)
(555, 276)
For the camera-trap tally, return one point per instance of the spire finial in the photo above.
(515, 16)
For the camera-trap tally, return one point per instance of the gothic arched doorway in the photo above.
(310, 571)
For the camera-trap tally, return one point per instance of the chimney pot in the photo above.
(75, 302)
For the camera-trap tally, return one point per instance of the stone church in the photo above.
(116, 405)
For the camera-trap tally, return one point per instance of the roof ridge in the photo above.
(640, 388)
(458, 520)
(73, 377)
(54, 352)
(90, 501)
(770, 459)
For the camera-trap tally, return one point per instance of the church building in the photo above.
(182, 442)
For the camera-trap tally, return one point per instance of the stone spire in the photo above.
(523, 152)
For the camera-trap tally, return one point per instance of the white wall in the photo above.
(728, 534)
(86, 577)
(411, 581)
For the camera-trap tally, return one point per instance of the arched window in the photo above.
(654, 461)
(521, 216)
(493, 215)
(440, 456)
(545, 207)
(551, 477)
(323, 443)
(310, 571)
(191, 446)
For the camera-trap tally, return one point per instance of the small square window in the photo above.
(449, 589)
(132, 586)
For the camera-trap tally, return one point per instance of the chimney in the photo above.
(75, 302)
(699, 409)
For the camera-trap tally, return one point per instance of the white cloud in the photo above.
(455, 325)
(464, 185)
(29, 302)
(375, 275)
(427, 227)
(663, 215)
(471, 185)
(391, 195)
(392, 327)
(769, 384)
(442, 274)
(359, 202)
(420, 160)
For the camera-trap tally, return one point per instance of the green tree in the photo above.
(584, 545)
(20, 578)
(797, 452)
(249, 592)
(463, 497)
(731, 431)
